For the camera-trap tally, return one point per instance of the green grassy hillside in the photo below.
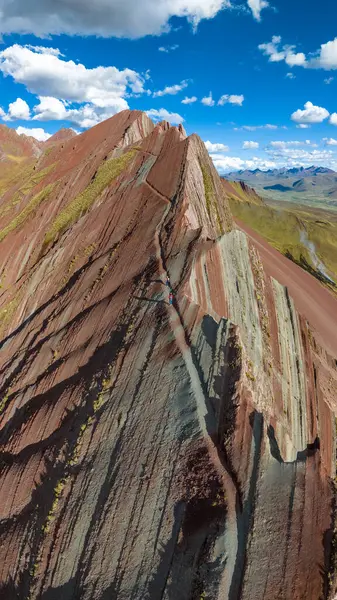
(306, 235)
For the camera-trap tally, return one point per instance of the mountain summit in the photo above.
(166, 410)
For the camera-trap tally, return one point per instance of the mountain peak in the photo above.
(61, 135)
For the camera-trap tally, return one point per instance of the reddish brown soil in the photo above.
(59, 136)
(17, 145)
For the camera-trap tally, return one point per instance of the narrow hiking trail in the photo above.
(229, 539)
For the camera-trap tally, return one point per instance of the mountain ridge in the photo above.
(175, 426)
(313, 185)
(305, 171)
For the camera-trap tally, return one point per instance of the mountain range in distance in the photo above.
(312, 185)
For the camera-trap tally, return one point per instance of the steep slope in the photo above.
(305, 235)
(16, 147)
(20, 156)
(152, 450)
(240, 192)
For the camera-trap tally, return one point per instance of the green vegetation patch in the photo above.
(12, 173)
(235, 191)
(4, 401)
(17, 159)
(36, 177)
(279, 228)
(210, 195)
(7, 312)
(282, 229)
(324, 236)
(48, 151)
(239, 191)
(106, 173)
(29, 209)
(29, 178)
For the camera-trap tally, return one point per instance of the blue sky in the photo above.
(263, 77)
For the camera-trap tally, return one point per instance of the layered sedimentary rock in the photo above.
(148, 450)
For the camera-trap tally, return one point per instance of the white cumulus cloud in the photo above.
(299, 156)
(68, 90)
(171, 90)
(84, 116)
(295, 60)
(226, 164)
(333, 119)
(190, 100)
(310, 114)
(45, 50)
(50, 109)
(89, 115)
(163, 115)
(46, 74)
(231, 99)
(330, 141)
(208, 100)
(216, 147)
(108, 17)
(103, 18)
(328, 80)
(250, 145)
(17, 110)
(278, 154)
(323, 58)
(256, 6)
(276, 53)
(327, 56)
(38, 133)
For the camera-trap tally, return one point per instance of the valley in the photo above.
(314, 187)
(306, 234)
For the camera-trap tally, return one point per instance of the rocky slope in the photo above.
(154, 451)
(16, 147)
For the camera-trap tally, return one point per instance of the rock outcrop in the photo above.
(148, 450)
